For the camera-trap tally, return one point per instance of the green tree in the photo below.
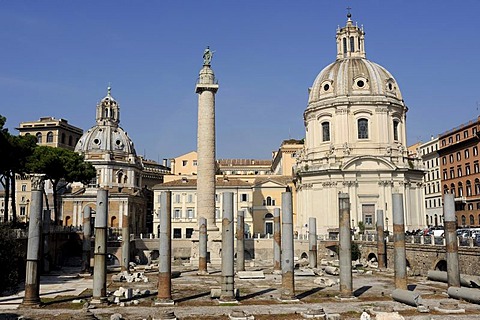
(60, 166)
(11, 260)
(15, 151)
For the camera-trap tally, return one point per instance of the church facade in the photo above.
(355, 143)
(119, 170)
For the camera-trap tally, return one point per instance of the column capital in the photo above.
(38, 181)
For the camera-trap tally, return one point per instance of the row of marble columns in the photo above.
(283, 246)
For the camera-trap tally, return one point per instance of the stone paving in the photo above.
(62, 295)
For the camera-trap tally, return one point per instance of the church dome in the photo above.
(101, 139)
(352, 75)
(107, 137)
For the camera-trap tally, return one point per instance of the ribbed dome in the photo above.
(105, 139)
(353, 77)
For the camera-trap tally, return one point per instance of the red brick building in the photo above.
(460, 171)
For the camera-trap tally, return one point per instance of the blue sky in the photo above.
(58, 57)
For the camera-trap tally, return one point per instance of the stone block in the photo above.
(304, 273)
(250, 275)
(216, 292)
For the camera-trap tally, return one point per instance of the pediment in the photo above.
(368, 163)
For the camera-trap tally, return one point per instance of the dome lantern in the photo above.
(108, 110)
(350, 41)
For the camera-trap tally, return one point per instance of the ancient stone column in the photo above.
(345, 246)
(228, 291)
(400, 256)
(453, 271)
(87, 241)
(125, 241)
(312, 242)
(381, 240)
(277, 241)
(100, 251)
(32, 275)
(202, 246)
(288, 279)
(164, 295)
(240, 240)
(46, 240)
(206, 89)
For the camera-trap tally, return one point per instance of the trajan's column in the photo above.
(206, 88)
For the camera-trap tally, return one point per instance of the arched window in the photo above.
(268, 223)
(69, 140)
(344, 45)
(39, 137)
(63, 138)
(269, 201)
(395, 130)
(50, 137)
(362, 128)
(119, 177)
(472, 220)
(459, 156)
(468, 188)
(460, 189)
(464, 220)
(467, 154)
(452, 189)
(451, 158)
(445, 189)
(475, 151)
(352, 44)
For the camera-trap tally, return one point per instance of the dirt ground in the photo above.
(258, 297)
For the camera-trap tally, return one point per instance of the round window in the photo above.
(360, 83)
(118, 142)
(326, 87)
(96, 141)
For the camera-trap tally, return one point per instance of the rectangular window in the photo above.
(243, 197)
(395, 130)
(190, 213)
(184, 163)
(23, 211)
(217, 213)
(326, 131)
(362, 126)
(368, 211)
(195, 162)
(188, 232)
(190, 198)
(177, 213)
(177, 233)
(24, 187)
(177, 198)
(475, 167)
(465, 134)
